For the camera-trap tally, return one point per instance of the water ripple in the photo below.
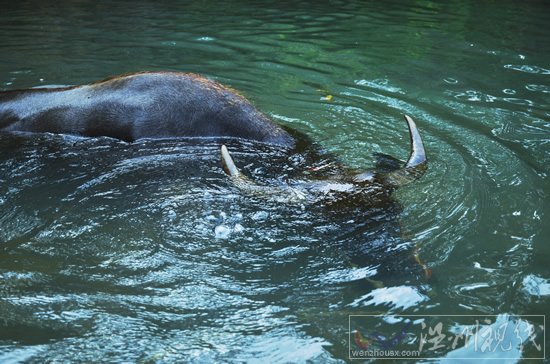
(528, 69)
(146, 252)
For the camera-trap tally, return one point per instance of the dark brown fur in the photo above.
(140, 105)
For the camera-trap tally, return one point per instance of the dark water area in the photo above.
(147, 252)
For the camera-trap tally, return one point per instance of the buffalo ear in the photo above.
(385, 163)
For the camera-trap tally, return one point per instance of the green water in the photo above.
(109, 251)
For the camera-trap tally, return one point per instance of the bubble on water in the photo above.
(509, 91)
(171, 214)
(238, 228)
(517, 101)
(538, 88)
(211, 218)
(215, 218)
(206, 39)
(450, 80)
(528, 68)
(222, 232)
(236, 217)
(202, 229)
(260, 215)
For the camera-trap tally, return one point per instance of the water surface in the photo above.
(146, 252)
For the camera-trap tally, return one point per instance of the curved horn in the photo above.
(416, 164)
(418, 154)
(231, 169)
(228, 164)
(413, 169)
(288, 194)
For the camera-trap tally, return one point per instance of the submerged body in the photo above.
(140, 105)
(181, 105)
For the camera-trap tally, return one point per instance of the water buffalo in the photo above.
(162, 105)
(171, 105)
